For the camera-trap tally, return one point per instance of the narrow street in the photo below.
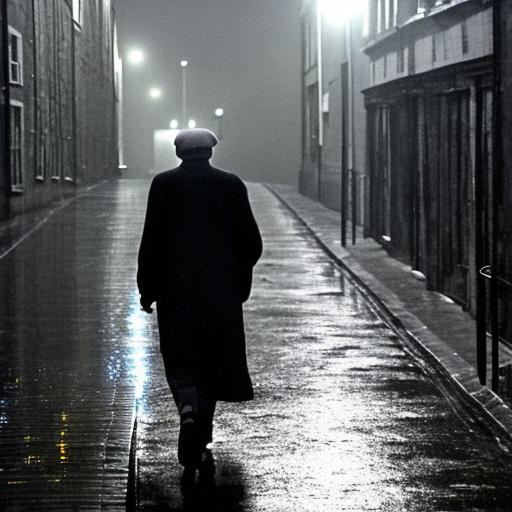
(344, 417)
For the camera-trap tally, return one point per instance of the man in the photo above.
(198, 249)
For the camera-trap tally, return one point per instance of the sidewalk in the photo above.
(438, 326)
(71, 335)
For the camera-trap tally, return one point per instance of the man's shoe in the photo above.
(189, 452)
(207, 464)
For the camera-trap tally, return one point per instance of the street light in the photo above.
(173, 125)
(338, 12)
(183, 64)
(155, 93)
(219, 114)
(135, 56)
(192, 123)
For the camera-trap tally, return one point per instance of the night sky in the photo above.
(244, 56)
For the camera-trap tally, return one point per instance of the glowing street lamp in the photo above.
(339, 11)
(135, 56)
(219, 114)
(173, 125)
(192, 123)
(155, 93)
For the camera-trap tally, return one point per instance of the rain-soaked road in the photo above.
(344, 418)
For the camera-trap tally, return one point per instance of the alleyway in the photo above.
(344, 417)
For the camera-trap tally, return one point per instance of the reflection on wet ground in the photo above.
(72, 355)
(344, 417)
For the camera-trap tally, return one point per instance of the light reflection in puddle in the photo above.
(138, 331)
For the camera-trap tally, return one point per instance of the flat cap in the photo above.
(195, 142)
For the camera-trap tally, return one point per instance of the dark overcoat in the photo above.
(198, 249)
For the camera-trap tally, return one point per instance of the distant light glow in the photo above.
(192, 124)
(135, 56)
(184, 63)
(155, 93)
(173, 124)
(219, 112)
(340, 11)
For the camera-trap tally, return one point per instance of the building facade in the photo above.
(334, 74)
(430, 113)
(60, 104)
(503, 243)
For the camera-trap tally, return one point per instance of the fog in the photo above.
(244, 56)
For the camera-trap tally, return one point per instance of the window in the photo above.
(15, 57)
(411, 63)
(77, 11)
(465, 40)
(400, 61)
(16, 146)
(386, 14)
(366, 19)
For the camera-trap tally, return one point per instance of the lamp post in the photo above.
(320, 140)
(135, 58)
(340, 13)
(183, 65)
(219, 114)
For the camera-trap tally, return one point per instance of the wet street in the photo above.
(345, 417)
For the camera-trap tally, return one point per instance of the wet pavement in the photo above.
(69, 344)
(345, 416)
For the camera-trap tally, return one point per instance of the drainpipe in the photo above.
(320, 97)
(496, 190)
(6, 102)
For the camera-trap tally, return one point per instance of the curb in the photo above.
(131, 486)
(452, 374)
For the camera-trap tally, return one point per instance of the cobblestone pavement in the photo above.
(69, 348)
(345, 417)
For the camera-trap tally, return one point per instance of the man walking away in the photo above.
(199, 246)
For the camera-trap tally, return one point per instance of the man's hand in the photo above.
(145, 305)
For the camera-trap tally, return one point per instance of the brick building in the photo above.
(61, 80)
